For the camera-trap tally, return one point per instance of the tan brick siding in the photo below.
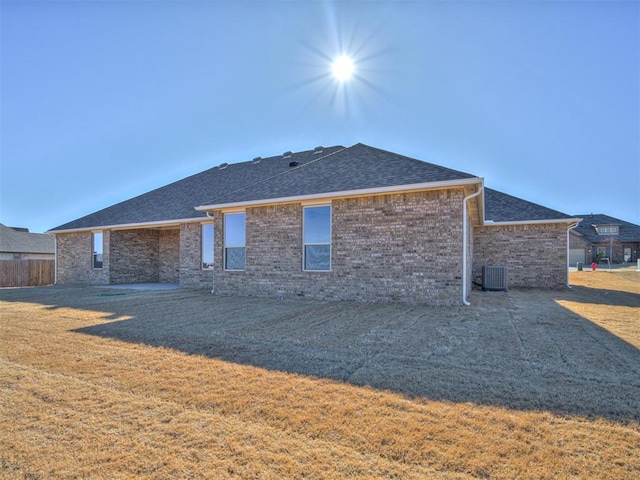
(75, 259)
(169, 250)
(397, 247)
(191, 272)
(403, 247)
(535, 254)
(576, 241)
(135, 256)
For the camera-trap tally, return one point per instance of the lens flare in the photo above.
(342, 68)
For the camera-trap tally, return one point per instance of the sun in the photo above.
(342, 68)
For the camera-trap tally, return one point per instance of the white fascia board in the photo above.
(491, 223)
(346, 193)
(129, 226)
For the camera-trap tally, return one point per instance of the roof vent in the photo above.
(287, 154)
(294, 164)
(318, 149)
(222, 166)
(256, 160)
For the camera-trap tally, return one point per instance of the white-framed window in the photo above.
(97, 240)
(234, 241)
(612, 230)
(207, 246)
(316, 238)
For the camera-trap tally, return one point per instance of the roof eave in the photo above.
(568, 221)
(127, 226)
(345, 193)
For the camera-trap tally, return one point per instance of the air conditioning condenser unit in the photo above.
(495, 277)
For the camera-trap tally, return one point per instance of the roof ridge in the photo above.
(245, 187)
(601, 216)
(435, 165)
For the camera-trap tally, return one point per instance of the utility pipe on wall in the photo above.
(464, 244)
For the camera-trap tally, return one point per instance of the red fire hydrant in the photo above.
(594, 265)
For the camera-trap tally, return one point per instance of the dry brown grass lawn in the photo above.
(74, 405)
(609, 307)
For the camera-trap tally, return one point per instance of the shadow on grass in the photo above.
(520, 349)
(599, 296)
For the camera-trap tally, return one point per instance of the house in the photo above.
(600, 236)
(354, 223)
(19, 244)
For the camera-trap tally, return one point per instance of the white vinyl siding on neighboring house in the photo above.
(317, 238)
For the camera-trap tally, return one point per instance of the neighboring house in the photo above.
(355, 223)
(600, 236)
(19, 244)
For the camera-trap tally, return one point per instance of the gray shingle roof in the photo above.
(628, 232)
(355, 168)
(12, 241)
(177, 200)
(501, 207)
(334, 169)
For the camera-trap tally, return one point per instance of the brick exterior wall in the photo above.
(75, 259)
(470, 254)
(169, 256)
(401, 247)
(396, 247)
(576, 241)
(535, 254)
(135, 256)
(191, 272)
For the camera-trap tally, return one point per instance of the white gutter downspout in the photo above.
(568, 230)
(464, 244)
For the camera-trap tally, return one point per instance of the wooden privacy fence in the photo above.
(26, 273)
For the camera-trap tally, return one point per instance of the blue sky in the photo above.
(105, 100)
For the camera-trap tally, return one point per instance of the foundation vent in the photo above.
(495, 277)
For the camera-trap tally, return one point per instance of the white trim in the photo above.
(491, 223)
(128, 226)
(316, 203)
(233, 210)
(345, 193)
(567, 259)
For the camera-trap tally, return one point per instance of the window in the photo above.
(97, 249)
(207, 246)
(608, 230)
(234, 241)
(317, 238)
